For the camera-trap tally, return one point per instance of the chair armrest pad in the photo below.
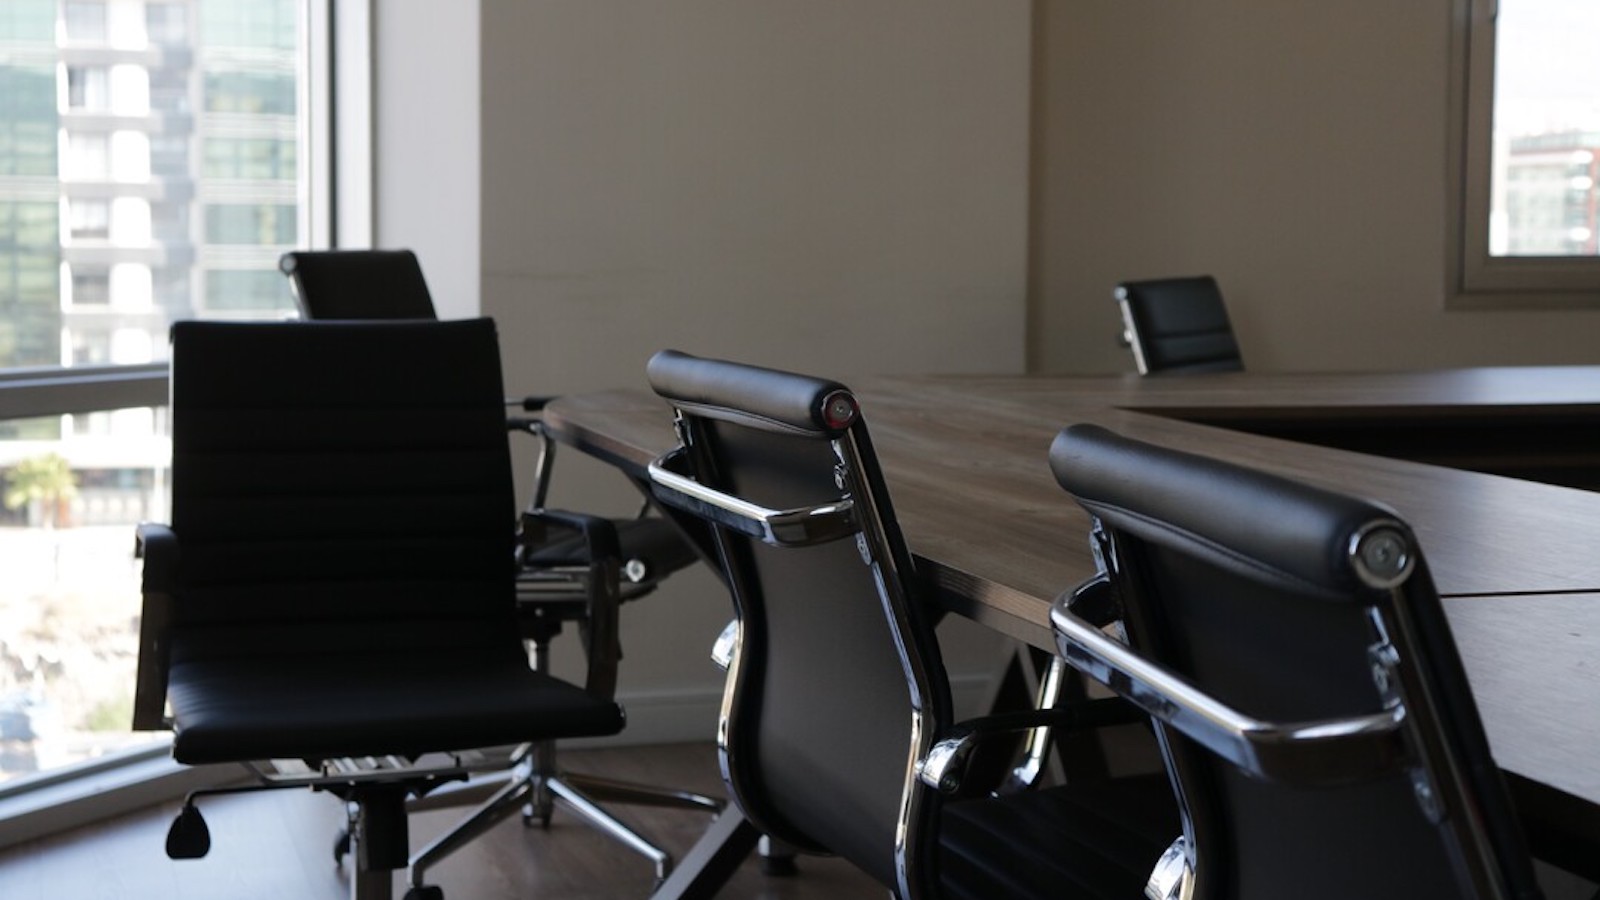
(157, 545)
(600, 551)
(598, 536)
(532, 402)
(945, 766)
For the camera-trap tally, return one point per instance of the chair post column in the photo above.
(381, 838)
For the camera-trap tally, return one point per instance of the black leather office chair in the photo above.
(1178, 325)
(337, 584)
(358, 284)
(1291, 649)
(556, 576)
(837, 735)
(389, 284)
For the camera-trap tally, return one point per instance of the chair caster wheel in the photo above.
(341, 846)
(425, 892)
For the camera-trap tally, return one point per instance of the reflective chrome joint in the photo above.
(1173, 876)
(944, 765)
(726, 642)
(1381, 554)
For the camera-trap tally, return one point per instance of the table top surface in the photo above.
(965, 460)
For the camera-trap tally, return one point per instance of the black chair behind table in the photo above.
(337, 584)
(1291, 648)
(837, 734)
(1178, 325)
(557, 575)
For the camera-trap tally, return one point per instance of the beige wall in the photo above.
(836, 186)
(1297, 150)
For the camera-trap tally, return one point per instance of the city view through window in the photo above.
(1545, 196)
(150, 170)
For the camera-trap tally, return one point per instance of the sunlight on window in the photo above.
(69, 622)
(149, 172)
(1546, 157)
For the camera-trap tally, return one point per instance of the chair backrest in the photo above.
(1291, 648)
(836, 685)
(1178, 325)
(358, 284)
(331, 494)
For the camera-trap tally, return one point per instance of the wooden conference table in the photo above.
(1454, 452)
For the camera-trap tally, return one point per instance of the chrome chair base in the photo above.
(532, 788)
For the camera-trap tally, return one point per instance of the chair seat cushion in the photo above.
(1096, 840)
(372, 703)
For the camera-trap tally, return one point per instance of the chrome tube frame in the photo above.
(1325, 751)
(800, 527)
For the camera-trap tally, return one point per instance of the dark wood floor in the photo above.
(278, 844)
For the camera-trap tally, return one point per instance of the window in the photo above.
(84, 454)
(167, 23)
(1530, 212)
(263, 224)
(89, 220)
(262, 93)
(88, 88)
(88, 157)
(229, 290)
(85, 21)
(264, 159)
(91, 287)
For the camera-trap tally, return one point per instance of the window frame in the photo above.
(1479, 280)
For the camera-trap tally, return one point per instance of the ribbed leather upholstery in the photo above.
(345, 583)
(1242, 583)
(1180, 325)
(1091, 840)
(831, 673)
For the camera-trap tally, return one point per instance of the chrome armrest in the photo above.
(945, 766)
(1325, 751)
(544, 457)
(157, 545)
(722, 649)
(799, 527)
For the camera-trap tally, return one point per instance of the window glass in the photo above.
(27, 118)
(270, 159)
(91, 286)
(167, 23)
(1546, 161)
(232, 223)
(176, 207)
(28, 20)
(268, 93)
(247, 23)
(85, 21)
(88, 88)
(228, 290)
(89, 219)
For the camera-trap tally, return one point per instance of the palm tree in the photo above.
(46, 478)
